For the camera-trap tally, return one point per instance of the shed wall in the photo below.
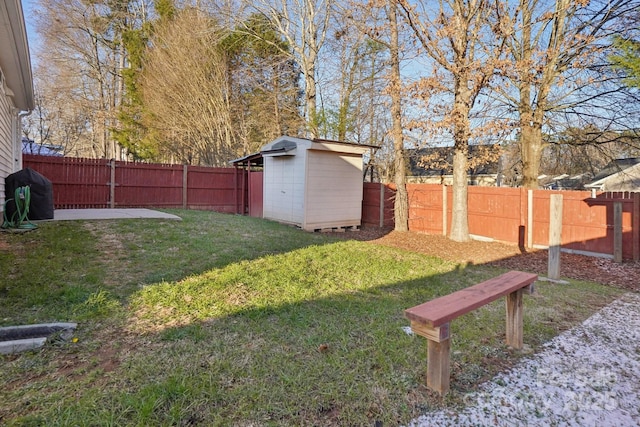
(334, 190)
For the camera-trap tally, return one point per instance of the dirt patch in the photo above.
(625, 275)
(111, 245)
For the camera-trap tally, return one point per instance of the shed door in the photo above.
(283, 189)
(255, 194)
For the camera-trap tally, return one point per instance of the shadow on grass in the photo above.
(342, 359)
(299, 329)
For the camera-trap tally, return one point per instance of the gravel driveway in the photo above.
(587, 376)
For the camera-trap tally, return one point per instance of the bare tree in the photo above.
(185, 91)
(304, 25)
(552, 71)
(82, 57)
(401, 203)
(456, 36)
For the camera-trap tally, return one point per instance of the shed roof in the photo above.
(250, 159)
(442, 161)
(285, 143)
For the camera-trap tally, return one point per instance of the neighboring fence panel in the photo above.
(213, 189)
(502, 214)
(496, 212)
(87, 183)
(377, 205)
(77, 183)
(142, 184)
(425, 208)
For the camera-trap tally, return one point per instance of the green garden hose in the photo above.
(20, 218)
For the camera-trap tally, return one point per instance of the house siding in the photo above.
(7, 141)
(626, 180)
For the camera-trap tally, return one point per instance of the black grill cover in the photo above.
(41, 206)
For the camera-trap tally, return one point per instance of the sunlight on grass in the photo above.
(268, 283)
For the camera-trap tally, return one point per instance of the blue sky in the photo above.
(27, 8)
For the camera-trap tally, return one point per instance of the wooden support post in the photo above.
(235, 186)
(555, 235)
(438, 345)
(243, 193)
(444, 210)
(617, 231)
(514, 318)
(438, 365)
(185, 187)
(112, 184)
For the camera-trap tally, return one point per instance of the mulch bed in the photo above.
(624, 275)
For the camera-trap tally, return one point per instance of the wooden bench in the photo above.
(431, 319)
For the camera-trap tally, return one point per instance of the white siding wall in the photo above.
(7, 141)
(284, 188)
(626, 180)
(334, 190)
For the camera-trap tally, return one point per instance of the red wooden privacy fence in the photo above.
(603, 224)
(101, 183)
(519, 216)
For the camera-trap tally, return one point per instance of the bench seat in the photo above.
(431, 319)
(446, 308)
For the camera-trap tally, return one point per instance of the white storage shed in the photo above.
(314, 184)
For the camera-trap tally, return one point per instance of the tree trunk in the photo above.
(461, 107)
(459, 221)
(310, 94)
(531, 151)
(401, 204)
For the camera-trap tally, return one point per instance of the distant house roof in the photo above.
(31, 147)
(439, 161)
(618, 175)
(564, 181)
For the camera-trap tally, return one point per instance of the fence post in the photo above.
(530, 218)
(112, 185)
(444, 210)
(635, 226)
(381, 214)
(617, 231)
(555, 235)
(185, 187)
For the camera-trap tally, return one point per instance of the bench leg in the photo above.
(438, 366)
(514, 319)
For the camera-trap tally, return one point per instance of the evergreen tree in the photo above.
(627, 60)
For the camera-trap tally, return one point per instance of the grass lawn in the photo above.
(228, 320)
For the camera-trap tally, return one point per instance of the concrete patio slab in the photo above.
(95, 214)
